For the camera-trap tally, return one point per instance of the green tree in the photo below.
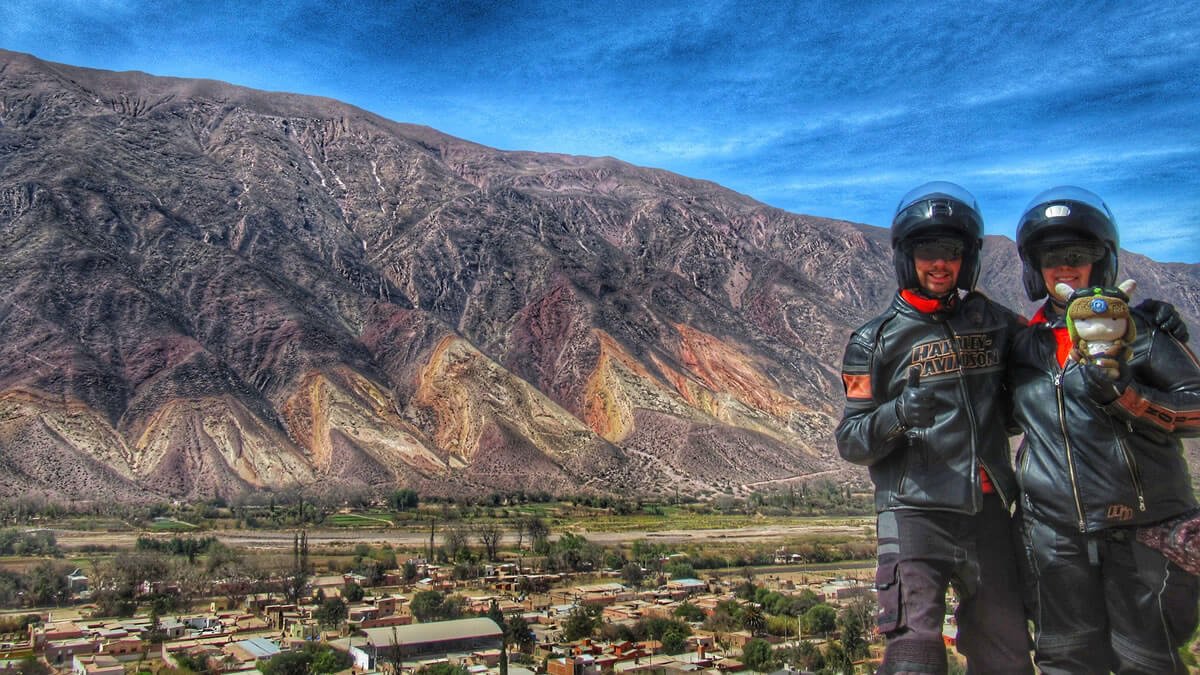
(287, 663)
(189, 663)
(746, 590)
(689, 612)
(497, 616)
(410, 571)
(519, 634)
(331, 613)
(801, 603)
(808, 656)
(435, 606)
(329, 661)
(312, 659)
(120, 580)
(854, 623)
(753, 619)
(352, 592)
(757, 655)
(221, 559)
(48, 584)
(539, 534)
(427, 605)
(580, 623)
(403, 500)
(820, 620)
(836, 658)
(297, 577)
(632, 574)
(680, 570)
(655, 627)
(674, 641)
(31, 665)
(724, 617)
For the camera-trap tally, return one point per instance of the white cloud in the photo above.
(1094, 161)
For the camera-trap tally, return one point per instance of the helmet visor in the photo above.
(939, 248)
(1070, 254)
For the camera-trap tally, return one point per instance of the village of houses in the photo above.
(382, 635)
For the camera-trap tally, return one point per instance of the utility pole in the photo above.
(429, 559)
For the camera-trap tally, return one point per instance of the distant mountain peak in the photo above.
(206, 289)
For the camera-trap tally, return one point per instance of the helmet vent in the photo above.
(940, 209)
(1058, 211)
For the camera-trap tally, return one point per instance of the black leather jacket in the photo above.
(1090, 467)
(962, 353)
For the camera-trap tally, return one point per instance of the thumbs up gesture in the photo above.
(915, 405)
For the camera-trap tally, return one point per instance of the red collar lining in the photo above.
(921, 303)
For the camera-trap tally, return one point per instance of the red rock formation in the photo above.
(206, 289)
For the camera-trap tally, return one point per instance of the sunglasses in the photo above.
(937, 249)
(1071, 255)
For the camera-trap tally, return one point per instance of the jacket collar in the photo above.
(1048, 315)
(936, 309)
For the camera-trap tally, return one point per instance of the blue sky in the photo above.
(826, 108)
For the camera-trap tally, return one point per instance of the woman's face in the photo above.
(1075, 276)
(1069, 263)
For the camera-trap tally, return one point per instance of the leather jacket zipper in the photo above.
(1062, 422)
(999, 492)
(976, 462)
(1131, 464)
(1022, 460)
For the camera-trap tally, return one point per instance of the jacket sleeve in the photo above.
(870, 429)
(1015, 324)
(1164, 394)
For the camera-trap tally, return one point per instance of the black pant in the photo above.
(921, 554)
(1103, 603)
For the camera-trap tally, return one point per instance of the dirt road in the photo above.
(282, 539)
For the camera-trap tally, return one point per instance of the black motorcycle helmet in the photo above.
(1059, 217)
(937, 209)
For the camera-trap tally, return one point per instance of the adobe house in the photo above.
(425, 640)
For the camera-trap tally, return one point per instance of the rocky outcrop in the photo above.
(206, 289)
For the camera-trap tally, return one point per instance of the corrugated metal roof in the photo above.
(437, 631)
(259, 648)
(611, 587)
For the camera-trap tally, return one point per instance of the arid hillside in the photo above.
(206, 289)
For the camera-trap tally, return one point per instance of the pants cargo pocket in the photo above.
(887, 585)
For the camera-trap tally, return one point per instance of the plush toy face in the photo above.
(1098, 321)
(1104, 323)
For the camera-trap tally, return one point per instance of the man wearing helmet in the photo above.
(1101, 459)
(926, 412)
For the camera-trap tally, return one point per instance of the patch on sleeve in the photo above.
(858, 387)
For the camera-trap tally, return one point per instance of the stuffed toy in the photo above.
(1099, 324)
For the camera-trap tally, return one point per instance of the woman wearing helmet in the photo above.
(926, 412)
(1101, 458)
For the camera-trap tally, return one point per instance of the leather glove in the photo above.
(1101, 387)
(1166, 317)
(915, 405)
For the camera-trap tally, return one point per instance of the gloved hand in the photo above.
(915, 405)
(1101, 387)
(1165, 316)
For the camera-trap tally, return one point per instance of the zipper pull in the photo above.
(1058, 377)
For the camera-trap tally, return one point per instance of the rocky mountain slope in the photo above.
(206, 289)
